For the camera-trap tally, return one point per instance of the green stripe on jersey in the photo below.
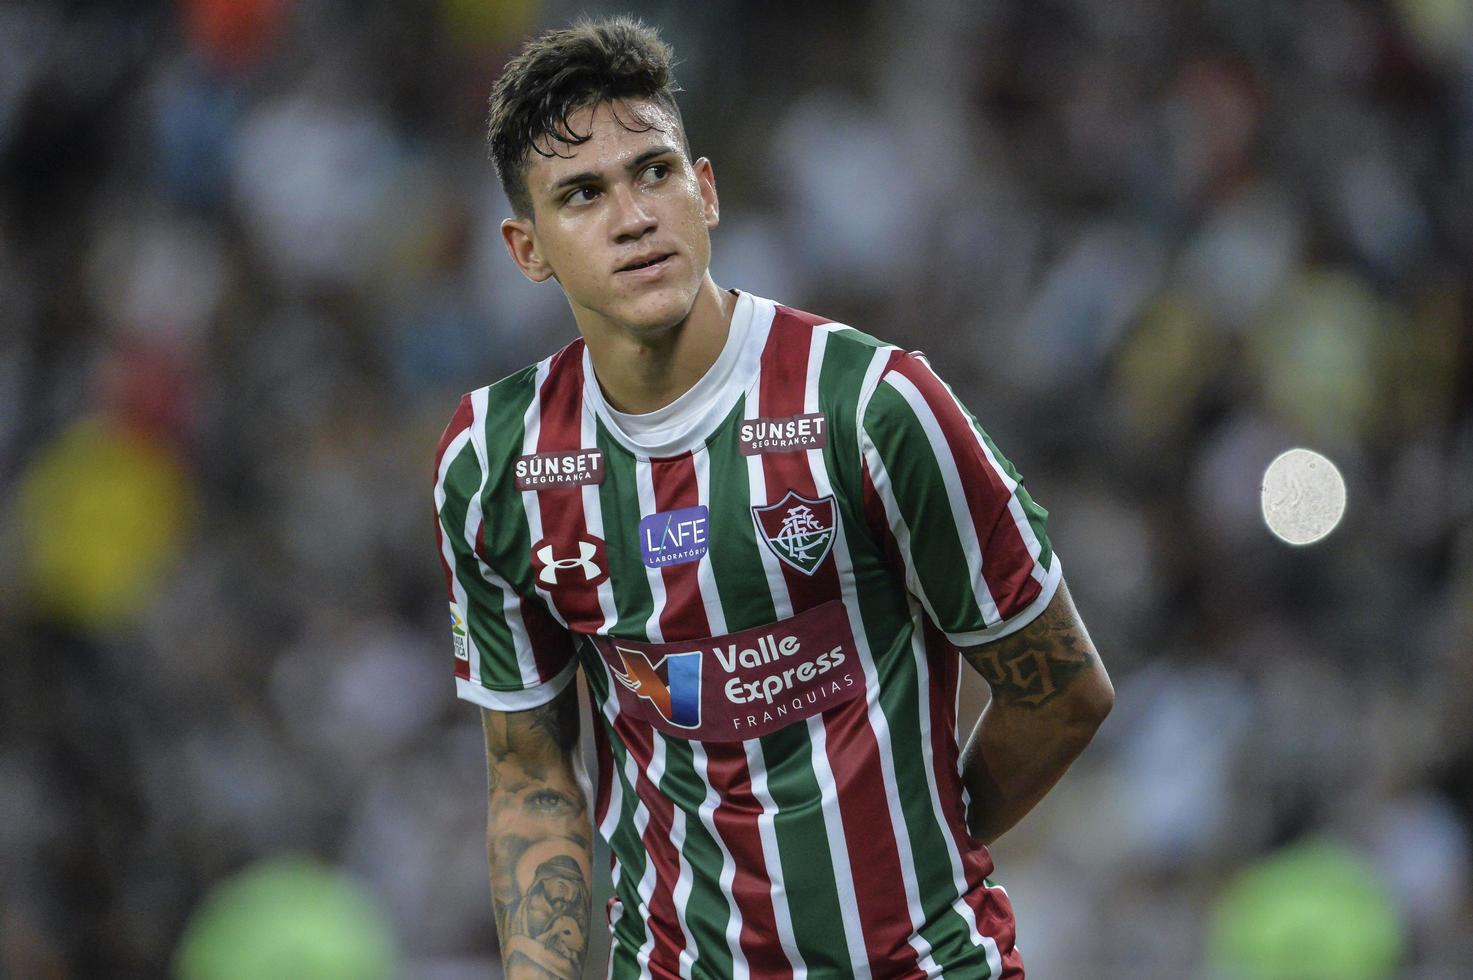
(741, 580)
(618, 497)
(938, 556)
(706, 910)
(811, 884)
(484, 616)
(900, 694)
(625, 840)
(1037, 516)
(741, 583)
(619, 502)
(888, 631)
(507, 540)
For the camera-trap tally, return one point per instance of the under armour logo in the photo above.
(553, 570)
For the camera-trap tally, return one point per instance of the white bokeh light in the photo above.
(1303, 496)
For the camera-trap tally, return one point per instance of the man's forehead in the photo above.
(618, 132)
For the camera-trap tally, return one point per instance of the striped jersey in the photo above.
(766, 594)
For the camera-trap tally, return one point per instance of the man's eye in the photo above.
(582, 195)
(657, 171)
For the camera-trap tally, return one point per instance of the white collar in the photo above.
(684, 424)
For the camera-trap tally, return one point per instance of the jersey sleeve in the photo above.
(510, 654)
(974, 545)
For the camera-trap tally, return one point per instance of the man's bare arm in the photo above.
(1050, 693)
(539, 838)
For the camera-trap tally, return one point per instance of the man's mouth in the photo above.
(645, 263)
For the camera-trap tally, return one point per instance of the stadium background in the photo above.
(249, 258)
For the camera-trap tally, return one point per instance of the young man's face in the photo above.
(622, 221)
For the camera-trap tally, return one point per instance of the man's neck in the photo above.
(642, 374)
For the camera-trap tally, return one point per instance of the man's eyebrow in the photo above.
(648, 155)
(590, 177)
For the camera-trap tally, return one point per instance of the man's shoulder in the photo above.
(490, 419)
(517, 389)
(792, 321)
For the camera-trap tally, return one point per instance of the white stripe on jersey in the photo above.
(880, 478)
(641, 820)
(716, 618)
(531, 429)
(681, 892)
(878, 724)
(644, 481)
(953, 852)
(511, 606)
(817, 733)
(593, 517)
(956, 496)
(610, 822)
(766, 829)
(1015, 506)
(705, 574)
(783, 608)
(447, 550)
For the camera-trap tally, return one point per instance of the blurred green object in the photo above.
(287, 918)
(1312, 911)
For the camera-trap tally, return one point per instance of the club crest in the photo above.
(799, 531)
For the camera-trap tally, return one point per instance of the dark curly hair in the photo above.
(561, 71)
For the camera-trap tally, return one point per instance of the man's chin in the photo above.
(656, 313)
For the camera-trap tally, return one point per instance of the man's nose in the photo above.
(632, 219)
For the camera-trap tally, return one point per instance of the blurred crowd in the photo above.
(250, 257)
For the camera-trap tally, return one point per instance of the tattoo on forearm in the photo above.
(1034, 665)
(538, 835)
(542, 914)
(558, 720)
(535, 737)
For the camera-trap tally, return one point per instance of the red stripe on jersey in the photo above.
(684, 615)
(1006, 564)
(784, 382)
(663, 921)
(736, 822)
(879, 524)
(564, 524)
(874, 858)
(851, 745)
(993, 911)
(551, 644)
(459, 422)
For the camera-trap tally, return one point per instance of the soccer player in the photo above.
(768, 541)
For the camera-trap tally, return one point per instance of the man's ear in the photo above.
(706, 177)
(520, 236)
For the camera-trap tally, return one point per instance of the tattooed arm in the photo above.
(539, 837)
(1049, 694)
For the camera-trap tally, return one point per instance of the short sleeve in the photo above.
(510, 654)
(974, 544)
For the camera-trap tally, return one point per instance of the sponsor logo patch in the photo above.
(674, 537)
(584, 561)
(670, 683)
(742, 685)
(548, 471)
(457, 633)
(799, 531)
(780, 435)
